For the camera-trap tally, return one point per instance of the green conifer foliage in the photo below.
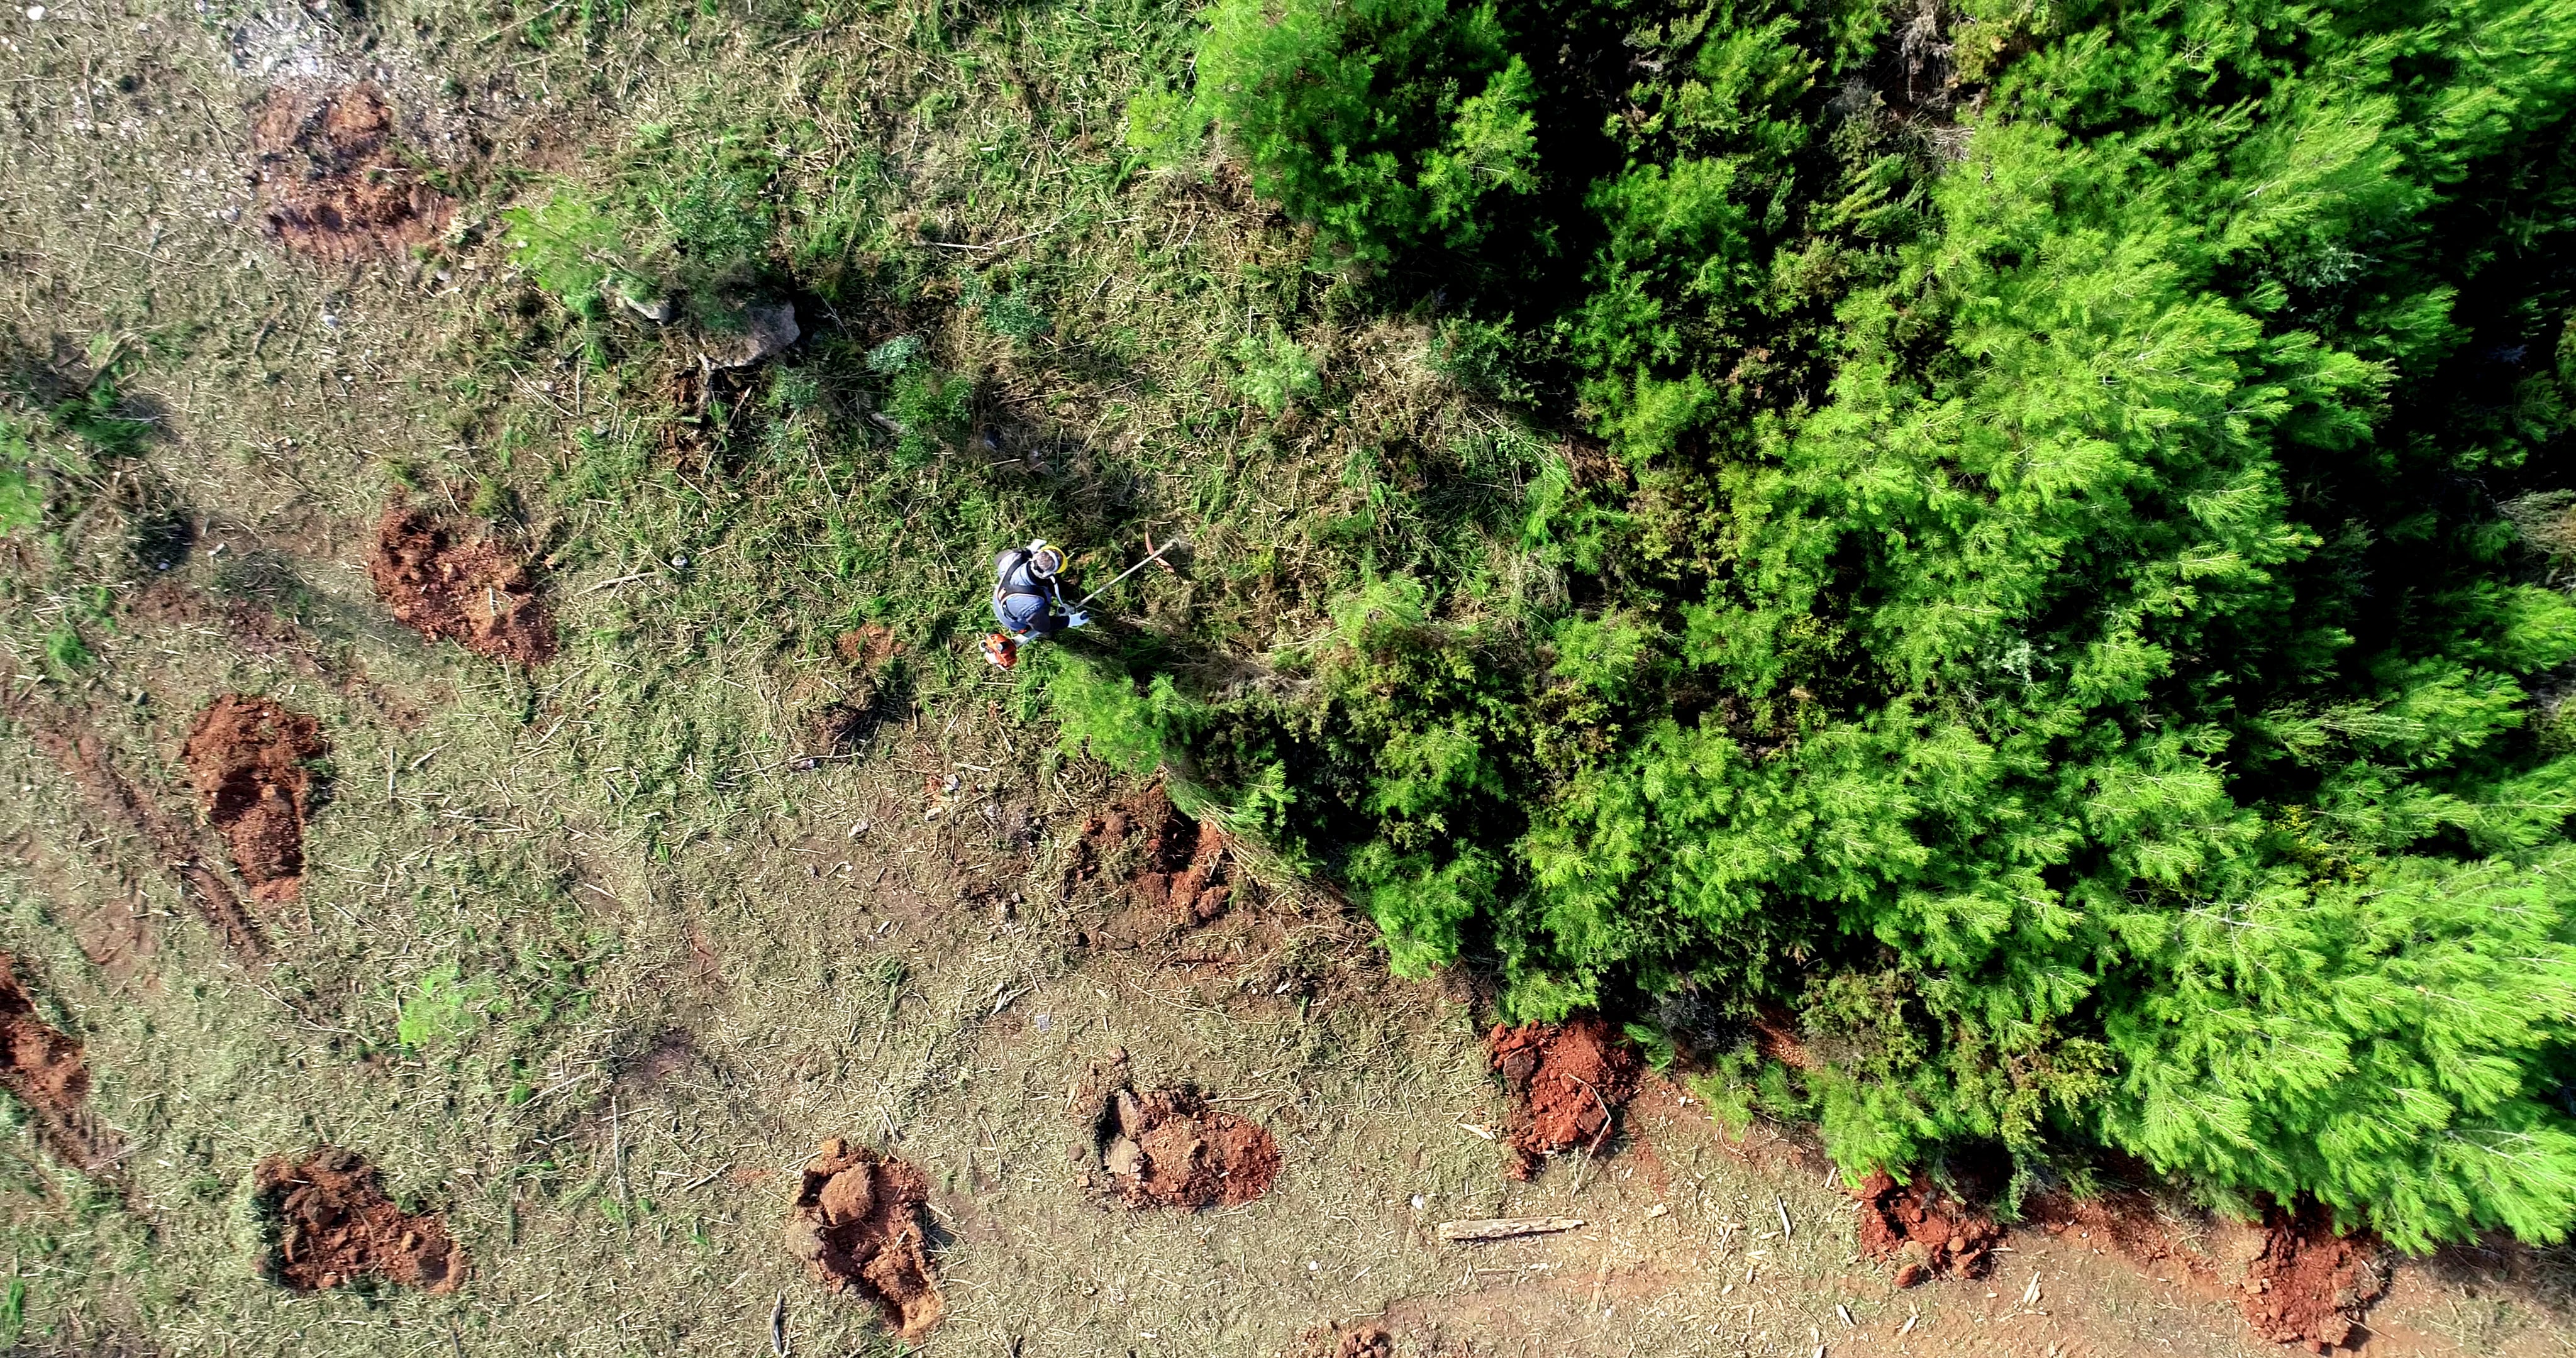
(2051, 611)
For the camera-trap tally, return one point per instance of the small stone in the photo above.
(767, 327)
(658, 310)
(1131, 1115)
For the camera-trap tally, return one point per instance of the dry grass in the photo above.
(643, 960)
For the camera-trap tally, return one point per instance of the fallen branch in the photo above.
(1505, 1228)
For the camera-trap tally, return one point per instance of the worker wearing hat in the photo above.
(1028, 601)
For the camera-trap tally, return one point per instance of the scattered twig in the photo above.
(1504, 1228)
(778, 1326)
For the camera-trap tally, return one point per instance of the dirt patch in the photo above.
(1176, 880)
(1924, 1230)
(332, 182)
(84, 758)
(335, 1227)
(1359, 1339)
(1184, 872)
(42, 1066)
(2125, 1221)
(842, 707)
(108, 917)
(249, 760)
(836, 730)
(1567, 1081)
(476, 594)
(858, 1225)
(2310, 1285)
(867, 647)
(256, 629)
(1167, 1147)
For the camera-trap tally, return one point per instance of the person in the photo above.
(1028, 601)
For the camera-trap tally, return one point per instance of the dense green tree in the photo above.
(2063, 602)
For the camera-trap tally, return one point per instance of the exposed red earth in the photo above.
(477, 594)
(249, 760)
(2310, 1285)
(42, 1067)
(1924, 1230)
(1170, 1149)
(858, 1225)
(331, 183)
(1567, 1081)
(336, 1226)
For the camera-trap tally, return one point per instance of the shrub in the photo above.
(1274, 370)
(1107, 715)
(1387, 122)
(2063, 603)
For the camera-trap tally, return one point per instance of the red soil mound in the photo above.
(247, 759)
(330, 183)
(335, 1226)
(1367, 1341)
(477, 594)
(2309, 1285)
(1568, 1082)
(858, 1225)
(1182, 876)
(43, 1068)
(118, 800)
(1184, 869)
(1171, 1150)
(1924, 1230)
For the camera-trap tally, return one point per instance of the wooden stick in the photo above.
(1505, 1228)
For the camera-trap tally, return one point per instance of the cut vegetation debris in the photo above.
(1505, 1228)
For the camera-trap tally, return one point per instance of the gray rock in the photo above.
(767, 327)
(1131, 1114)
(658, 310)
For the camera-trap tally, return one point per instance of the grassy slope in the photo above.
(565, 869)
